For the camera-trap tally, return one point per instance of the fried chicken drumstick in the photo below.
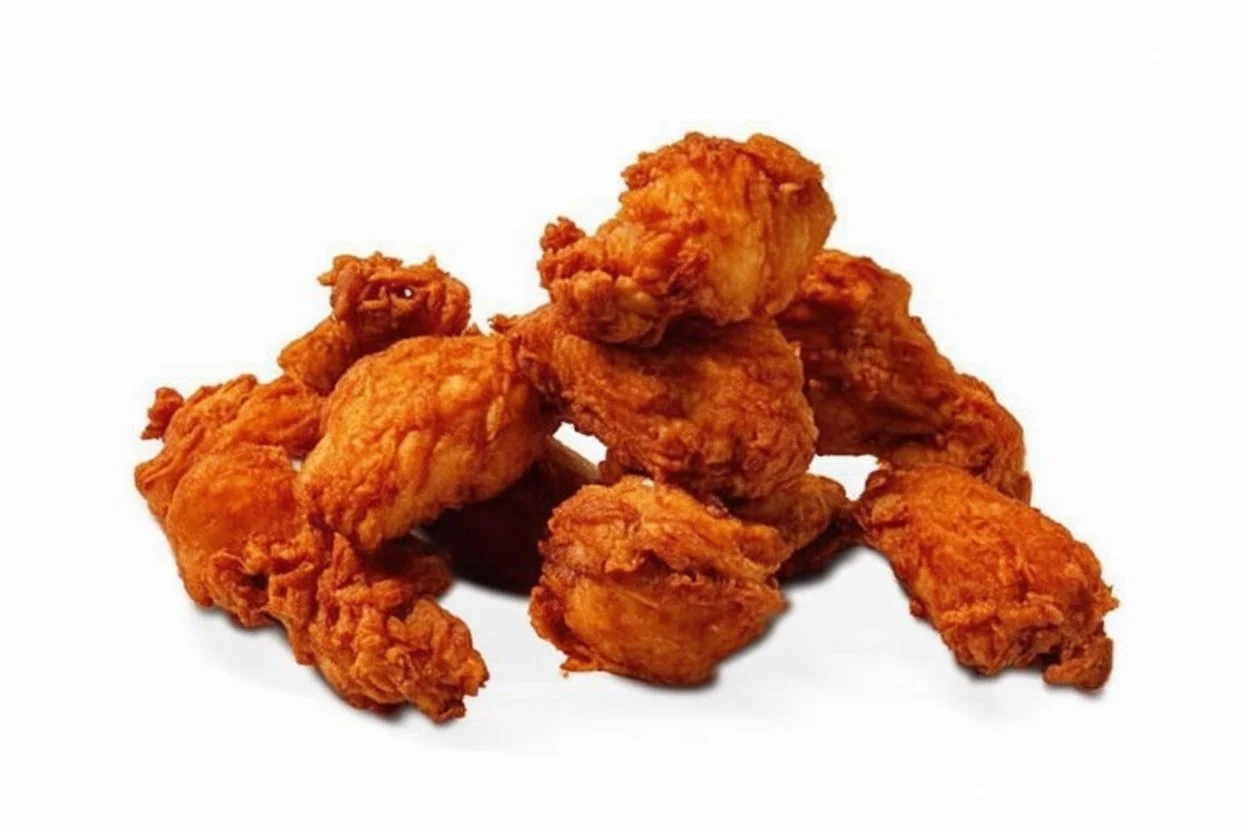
(1004, 585)
(643, 580)
(878, 385)
(708, 227)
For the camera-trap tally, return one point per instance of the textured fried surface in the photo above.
(643, 580)
(495, 542)
(368, 622)
(231, 511)
(1004, 585)
(376, 301)
(879, 386)
(708, 227)
(426, 425)
(813, 515)
(714, 410)
(380, 640)
(239, 412)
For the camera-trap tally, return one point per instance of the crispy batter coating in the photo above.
(368, 622)
(495, 542)
(708, 227)
(380, 640)
(215, 418)
(643, 580)
(1004, 585)
(879, 386)
(426, 425)
(716, 410)
(376, 301)
(230, 511)
(814, 517)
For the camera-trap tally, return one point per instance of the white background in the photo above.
(1064, 187)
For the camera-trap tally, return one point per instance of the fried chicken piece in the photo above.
(380, 640)
(642, 580)
(708, 227)
(716, 410)
(495, 542)
(376, 301)
(426, 425)
(879, 386)
(215, 418)
(368, 622)
(814, 517)
(1004, 585)
(233, 510)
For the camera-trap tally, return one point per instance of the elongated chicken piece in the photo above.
(878, 385)
(426, 425)
(495, 542)
(368, 622)
(1004, 585)
(643, 580)
(219, 417)
(814, 517)
(708, 227)
(716, 410)
(376, 301)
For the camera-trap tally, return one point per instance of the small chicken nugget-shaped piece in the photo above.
(1004, 585)
(715, 410)
(879, 386)
(643, 580)
(495, 542)
(708, 227)
(813, 515)
(376, 301)
(380, 639)
(426, 425)
(242, 411)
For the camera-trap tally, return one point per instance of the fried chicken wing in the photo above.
(368, 622)
(495, 542)
(239, 412)
(1004, 585)
(376, 301)
(716, 410)
(643, 580)
(814, 517)
(426, 425)
(879, 386)
(708, 227)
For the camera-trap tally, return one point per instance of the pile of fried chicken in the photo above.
(705, 336)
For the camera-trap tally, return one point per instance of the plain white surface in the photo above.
(1064, 187)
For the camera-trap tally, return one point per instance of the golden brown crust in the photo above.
(878, 385)
(643, 580)
(381, 640)
(716, 410)
(376, 301)
(813, 515)
(708, 227)
(243, 543)
(426, 425)
(1004, 585)
(219, 417)
(495, 542)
